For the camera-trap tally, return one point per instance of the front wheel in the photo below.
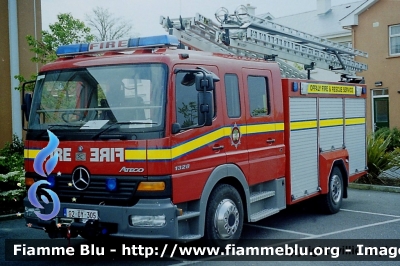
(331, 202)
(224, 216)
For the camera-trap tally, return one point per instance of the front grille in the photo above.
(96, 192)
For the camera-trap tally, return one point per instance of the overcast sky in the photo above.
(145, 14)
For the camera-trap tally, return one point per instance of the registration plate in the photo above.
(79, 213)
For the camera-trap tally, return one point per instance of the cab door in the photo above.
(196, 150)
(264, 126)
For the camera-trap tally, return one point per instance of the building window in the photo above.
(394, 40)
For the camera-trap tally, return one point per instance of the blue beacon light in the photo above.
(117, 45)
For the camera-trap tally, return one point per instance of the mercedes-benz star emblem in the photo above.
(80, 178)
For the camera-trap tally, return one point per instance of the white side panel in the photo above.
(304, 148)
(331, 134)
(355, 108)
(355, 135)
(303, 109)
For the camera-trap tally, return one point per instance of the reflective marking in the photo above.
(303, 125)
(331, 122)
(355, 121)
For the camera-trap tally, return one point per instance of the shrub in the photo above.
(394, 135)
(12, 186)
(12, 174)
(12, 156)
(380, 159)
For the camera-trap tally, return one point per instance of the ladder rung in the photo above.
(300, 35)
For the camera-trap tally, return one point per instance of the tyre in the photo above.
(224, 216)
(331, 202)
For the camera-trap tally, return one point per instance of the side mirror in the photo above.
(205, 81)
(26, 105)
(203, 78)
(205, 108)
(26, 102)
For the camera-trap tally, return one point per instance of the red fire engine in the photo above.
(159, 142)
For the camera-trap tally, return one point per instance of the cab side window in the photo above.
(187, 99)
(232, 95)
(186, 103)
(258, 96)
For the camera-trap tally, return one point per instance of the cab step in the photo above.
(257, 196)
(190, 237)
(263, 214)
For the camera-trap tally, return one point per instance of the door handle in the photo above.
(217, 148)
(270, 141)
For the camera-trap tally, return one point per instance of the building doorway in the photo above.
(380, 107)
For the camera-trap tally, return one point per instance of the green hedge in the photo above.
(12, 173)
(383, 158)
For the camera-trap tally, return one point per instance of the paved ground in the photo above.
(365, 215)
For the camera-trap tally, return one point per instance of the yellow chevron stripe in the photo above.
(198, 142)
(331, 122)
(30, 154)
(168, 154)
(159, 154)
(135, 155)
(259, 128)
(355, 121)
(303, 125)
(280, 126)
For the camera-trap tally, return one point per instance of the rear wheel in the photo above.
(331, 202)
(224, 216)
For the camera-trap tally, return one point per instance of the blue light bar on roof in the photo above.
(118, 45)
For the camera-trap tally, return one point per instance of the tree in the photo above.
(66, 30)
(107, 26)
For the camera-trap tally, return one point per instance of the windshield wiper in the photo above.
(64, 125)
(112, 126)
(51, 126)
(135, 123)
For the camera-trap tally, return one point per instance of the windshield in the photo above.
(131, 96)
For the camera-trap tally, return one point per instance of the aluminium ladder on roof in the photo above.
(200, 39)
(246, 35)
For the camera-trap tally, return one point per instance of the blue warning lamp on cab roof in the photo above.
(117, 45)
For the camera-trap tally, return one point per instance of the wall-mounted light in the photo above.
(378, 83)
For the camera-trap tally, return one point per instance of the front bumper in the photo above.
(113, 220)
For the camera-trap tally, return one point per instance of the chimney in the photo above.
(323, 6)
(251, 10)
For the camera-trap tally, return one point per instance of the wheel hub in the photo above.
(226, 218)
(336, 189)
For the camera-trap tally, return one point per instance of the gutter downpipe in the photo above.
(14, 68)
